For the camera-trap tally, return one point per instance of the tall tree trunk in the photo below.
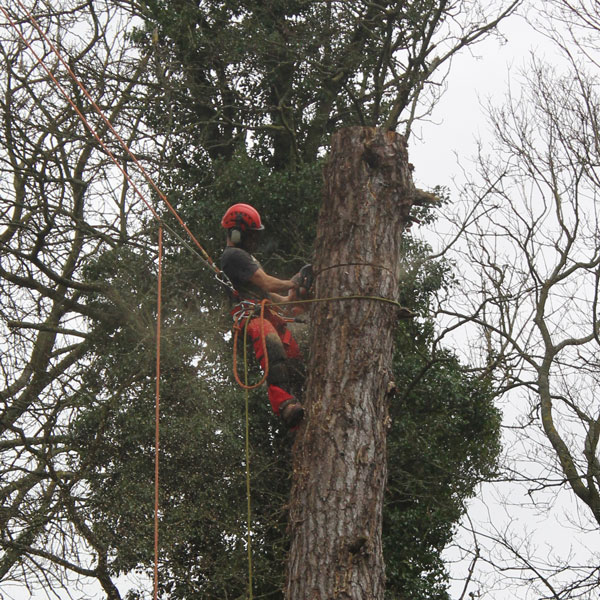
(340, 452)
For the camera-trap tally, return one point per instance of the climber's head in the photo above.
(243, 225)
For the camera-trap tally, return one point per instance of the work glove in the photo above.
(303, 281)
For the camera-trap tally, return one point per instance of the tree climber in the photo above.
(253, 284)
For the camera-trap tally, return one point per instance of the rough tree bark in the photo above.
(340, 451)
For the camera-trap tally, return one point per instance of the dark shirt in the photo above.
(239, 266)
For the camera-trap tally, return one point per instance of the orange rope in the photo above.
(155, 215)
(157, 414)
(237, 328)
(75, 107)
(108, 124)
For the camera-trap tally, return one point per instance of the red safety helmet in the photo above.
(242, 217)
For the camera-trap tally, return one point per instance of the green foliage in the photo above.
(443, 442)
(202, 476)
(278, 77)
(440, 446)
(287, 200)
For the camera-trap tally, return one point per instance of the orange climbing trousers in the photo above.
(281, 349)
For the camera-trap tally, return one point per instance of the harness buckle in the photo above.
(243, 310)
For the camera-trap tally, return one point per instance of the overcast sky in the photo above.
(478, 74)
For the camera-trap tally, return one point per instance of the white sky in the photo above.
(479, 74)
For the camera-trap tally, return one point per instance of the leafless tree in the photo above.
(61, 202)
(531, 251)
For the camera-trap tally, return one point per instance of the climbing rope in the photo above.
(242, 320)
(247, 389)
(405, 313)
(355, 264)
(157, 408)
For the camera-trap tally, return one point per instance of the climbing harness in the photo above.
(242, 318)
(242, 310)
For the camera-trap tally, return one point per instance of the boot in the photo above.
(291, 412)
